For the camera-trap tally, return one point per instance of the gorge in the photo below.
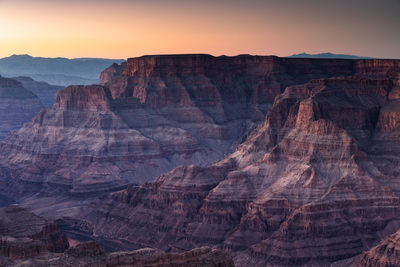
(276, 161)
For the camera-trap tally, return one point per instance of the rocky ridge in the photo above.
(316, 183)
(17, 105)
(44, 91)
(151, 114)
(92, 254)
(385, 254)
(29, 240)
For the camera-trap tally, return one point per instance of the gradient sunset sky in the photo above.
(128, 28)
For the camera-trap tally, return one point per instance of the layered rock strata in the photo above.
(29, 240)
(91, 254)
(25, 235)
(385, 254)
(317, 182)
(152, 114)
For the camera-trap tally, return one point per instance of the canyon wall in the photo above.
(30, 240)
(151, 114)
(284, 162)
(317, 182)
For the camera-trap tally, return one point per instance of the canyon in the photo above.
(315, 183)
(275, 161)
(29, 240)
(150, 115)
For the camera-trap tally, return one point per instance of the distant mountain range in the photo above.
(328, 55)
(57, 71)
(63, 71)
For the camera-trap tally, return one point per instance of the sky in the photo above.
(129, 28)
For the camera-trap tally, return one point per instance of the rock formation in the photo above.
(25, 235)
(46, 92)
(152, 114)
(316, 183)
(92, 254)
(385, 254)
(17, 105)
(29, 240)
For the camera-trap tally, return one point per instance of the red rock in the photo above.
(316, 182)
(84, 98)
(91, 254)
(312, 185)
(29, 240)
(385, 254)
(152, 114)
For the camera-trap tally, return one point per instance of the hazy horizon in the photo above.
(123, 29)
(73, 58)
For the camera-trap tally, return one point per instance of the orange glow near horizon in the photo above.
(121, 29)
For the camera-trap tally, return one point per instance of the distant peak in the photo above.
(21, 55)
(328, 55)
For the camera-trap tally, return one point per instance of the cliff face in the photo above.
(317, 182)
(378, 68)
(25, 235)
(17, 105)
(386, 253)
(92, 254)
(152, 114)
(29, 240)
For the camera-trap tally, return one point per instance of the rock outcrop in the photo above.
(44, 91)
(25, 235)
(17, 105)
(29, 240)
(316, 183)
(92, 254)
(152, 114)
(385, 254)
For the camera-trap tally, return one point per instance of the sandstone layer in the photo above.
(151, 114)
(385, 254)
(316, 183)
(30, 240)
(92, 254)
(17, 105)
